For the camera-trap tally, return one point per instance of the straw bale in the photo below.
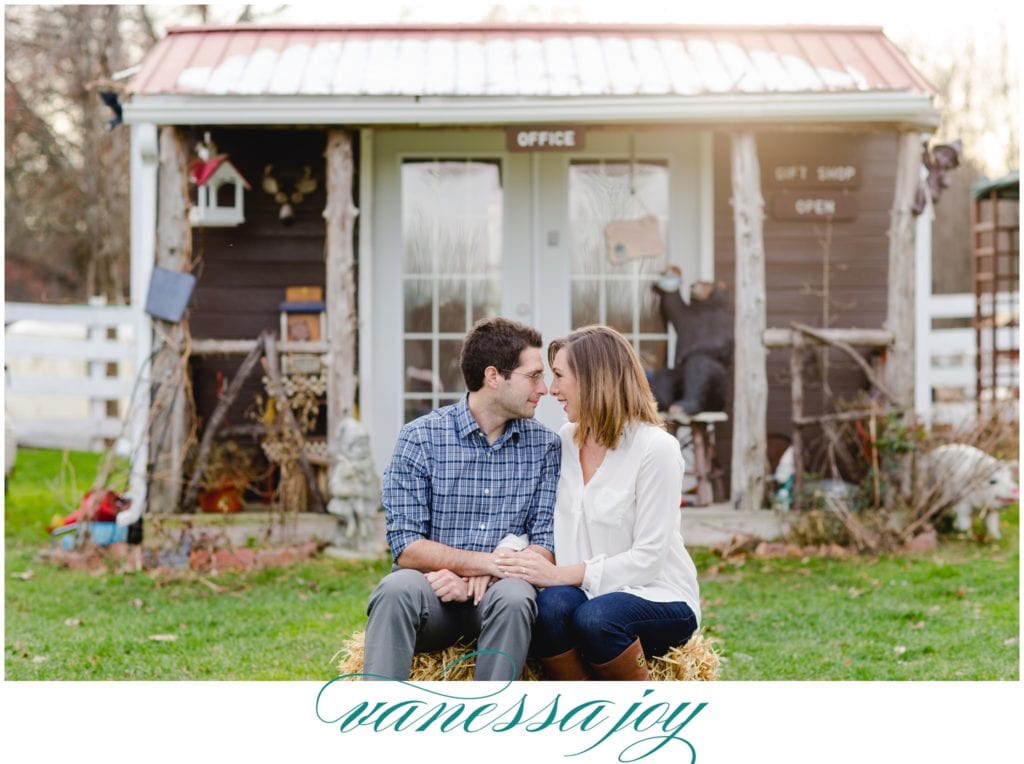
(694, 661)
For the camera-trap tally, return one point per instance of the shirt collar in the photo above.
(466, 426)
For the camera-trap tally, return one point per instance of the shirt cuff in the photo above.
(592, 575)
(514, 542)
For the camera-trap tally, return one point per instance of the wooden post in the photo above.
(168, 404)
(796, 374)
(750, 385)
(900, 316)
(340, 215)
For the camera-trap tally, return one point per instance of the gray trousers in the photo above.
(405, 617)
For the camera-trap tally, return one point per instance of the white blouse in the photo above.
(625, 523)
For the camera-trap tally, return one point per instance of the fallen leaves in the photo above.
(899, 649)
(162, 637)
(72, 622)
(25, 575)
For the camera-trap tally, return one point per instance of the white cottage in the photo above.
(473, 170)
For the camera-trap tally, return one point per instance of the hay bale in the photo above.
(694, 661)
(425, 666)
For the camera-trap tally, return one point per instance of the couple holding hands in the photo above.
(565, 547)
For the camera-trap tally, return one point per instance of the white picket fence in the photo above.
(950, 383)
(951, 375)
(57, 378)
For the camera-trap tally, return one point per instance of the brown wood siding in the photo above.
(794, 258)
(242, 272)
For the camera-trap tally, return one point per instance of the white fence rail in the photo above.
(64, 365)
(951, 352)
(951, 373)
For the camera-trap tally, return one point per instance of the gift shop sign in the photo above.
(824, 190)
(541, 138)
(819, 174)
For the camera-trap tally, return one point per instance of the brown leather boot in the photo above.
(565, 667)
(629, 665)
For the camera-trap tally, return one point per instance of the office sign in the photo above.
(544, 138)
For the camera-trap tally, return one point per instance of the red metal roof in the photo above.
(525, 61)
(199, 171)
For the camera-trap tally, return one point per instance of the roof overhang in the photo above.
(908, 109)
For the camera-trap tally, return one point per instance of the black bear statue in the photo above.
(699, 379)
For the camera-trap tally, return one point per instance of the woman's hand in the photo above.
(530, 566)
(477, 586)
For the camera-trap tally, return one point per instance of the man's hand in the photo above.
(448, 586)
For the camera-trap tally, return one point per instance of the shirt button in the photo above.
(487, 491)
(482, 526)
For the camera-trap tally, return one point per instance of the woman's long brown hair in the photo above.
(613, 388)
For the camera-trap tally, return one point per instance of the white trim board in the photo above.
(909, 109)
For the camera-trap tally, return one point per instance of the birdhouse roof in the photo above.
(201, 172)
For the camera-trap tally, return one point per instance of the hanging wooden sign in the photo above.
(633, 239)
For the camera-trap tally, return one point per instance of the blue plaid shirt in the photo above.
(446, 483)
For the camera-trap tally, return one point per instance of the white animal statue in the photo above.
(352, 483)
(967, 479)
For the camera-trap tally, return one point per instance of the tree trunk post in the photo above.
(750, 385)
(900, 313)
(340, 214)
(168, 399)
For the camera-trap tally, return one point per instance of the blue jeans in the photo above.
(603, 627)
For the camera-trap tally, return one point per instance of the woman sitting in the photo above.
(623, 586)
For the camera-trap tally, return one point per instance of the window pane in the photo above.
(653, 354)
(451, 305)
(486, 298)
(619, 299)
(585, 303)
(451, 217)
(419, 314)
(417, 408)
(448, 358)
(419, 370)
(651, 321)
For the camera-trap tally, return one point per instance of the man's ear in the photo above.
(491, 376)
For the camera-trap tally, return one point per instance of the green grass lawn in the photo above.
(951, 614)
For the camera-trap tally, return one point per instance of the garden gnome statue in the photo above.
(353, 485)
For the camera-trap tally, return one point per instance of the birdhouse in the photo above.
(220, 192)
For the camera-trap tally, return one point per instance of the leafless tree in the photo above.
(66, 163)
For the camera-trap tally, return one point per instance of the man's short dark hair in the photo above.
(495, 342)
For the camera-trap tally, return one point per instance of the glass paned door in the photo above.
(608, 286)
(451, 238)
